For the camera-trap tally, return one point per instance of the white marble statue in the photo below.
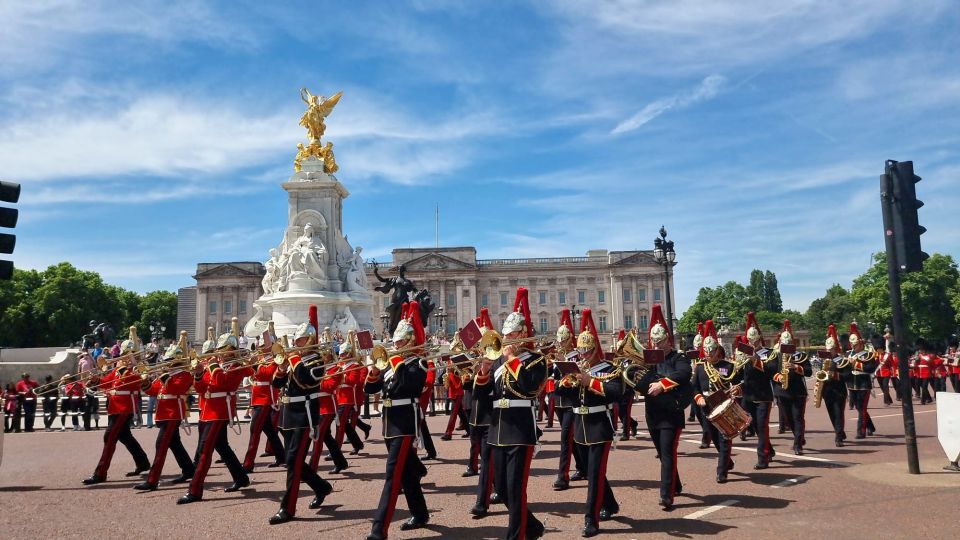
(344, 321)
(271, 278)
(307, 256)
(355, 278)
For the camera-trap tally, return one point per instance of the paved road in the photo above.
(858, 491)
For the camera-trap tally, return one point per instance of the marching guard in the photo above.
(862, 364)
(401, 381)
(712, 375)
(264, 400)
(328, 414)
(119, 386)
(831, 380)
(758, 390)
(666, 395)
(300, 376)
(706, 435)
(453, 382)
(218, 388)
(170, 389)
(790, 386)
(481, 413)
(346, 393)
(566, 342)
(513, 378)
(593, 393)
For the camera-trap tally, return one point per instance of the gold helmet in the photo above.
(586, 342)
(210, 344)
(130, 344)
(514, 323)
(305, 330)
(563, 334)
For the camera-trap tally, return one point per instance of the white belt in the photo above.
(510, 403)
(591, 410)
(397, 402)
(325, 394)
(170, 396)
(345, 386)
(208, 395)
(260, 383)
(859, 373)
(29, 399)
(120, 393)
(300, 399)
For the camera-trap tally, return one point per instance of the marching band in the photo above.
(496, 385)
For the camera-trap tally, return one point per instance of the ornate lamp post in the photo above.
(665, 256)
(723, 321)
(441, 318)
(575, 317)
(157, 330)
(384, 320)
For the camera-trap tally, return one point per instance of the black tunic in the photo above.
(797, 385)
(701, 381)
(509, 384)
(861, 366)
(302, 381)
(400, 387)
(757, 379)
(594, 427)
(666, 409)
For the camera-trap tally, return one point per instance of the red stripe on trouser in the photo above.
(297, 472)
(863, 411)
(674, 474)
(527, 458)
(325, 421)
(342, 424)
(275, 414)
(110, 445)
(206, 457)
(255, 431)
(474, 453)
(601, 482)
(767, 446)
(454, 411)
(163, 444)
(490, 474)
(615, 415)
(570, 443)
(397, 482)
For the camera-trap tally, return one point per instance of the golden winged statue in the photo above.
(318, 108)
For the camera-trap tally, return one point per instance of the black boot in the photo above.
(238, 485)
(189, 498)
(590, 529)
(280, 517)
(145, 486)
(560, 484)
(317, 501)
(182, 478)
(94, 479)
(415, 523)
(478, 510)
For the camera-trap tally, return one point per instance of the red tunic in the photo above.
(262, 392)
(886, 365)
(428, 385)
(353, 377)
(359, 395)
(952, 353)
(925, 365)
(171, 395)
(121, 387)
(454, 385)
(218, 391)
(328, 387)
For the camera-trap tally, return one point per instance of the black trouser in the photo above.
(92, 405)
(852, 403)
(567, 446)
(168, 438)
(760, 411)
(403, 470)
(783, 419)
(261, 421)
(49, 412)
(213, 436)
(795, 411)
(428, 446)
(626, 420)
(924, 391)
(481, 452)
(297, 441)
(724, 459)
(512, 469)
(599, 494)
(884, 383)
(836, 404)
(955, 381)
(864, 422)
(345, 414)
(118, 430)
(706, 435)
(29, 413)
(666, 441)
(895, 381)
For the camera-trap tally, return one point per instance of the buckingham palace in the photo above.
(619, 287)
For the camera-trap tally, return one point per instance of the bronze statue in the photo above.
(403, 291)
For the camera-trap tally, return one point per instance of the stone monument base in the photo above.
(338, 310)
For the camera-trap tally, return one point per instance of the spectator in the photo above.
(50, 399)
(28, 401)
(115, 350)
(97, 350)
(85, 362)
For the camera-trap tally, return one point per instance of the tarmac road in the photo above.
(859, 491)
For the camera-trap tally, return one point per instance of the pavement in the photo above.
(859, 491)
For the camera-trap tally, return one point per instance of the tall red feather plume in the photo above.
(483, 320)
(586, 325)
(788, 328)
(522, 304)
(752, 321)
(565, 319)
(413, 316)
(832, 333)
(657, 317)
(854, 331)
(314, 320)
(710, 331)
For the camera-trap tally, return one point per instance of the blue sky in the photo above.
(150, 136)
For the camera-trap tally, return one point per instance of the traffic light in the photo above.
(906, 226)
(9, 192)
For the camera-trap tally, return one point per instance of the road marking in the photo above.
(779, 454)
(901, 414)
(711, 509)
(792, 481)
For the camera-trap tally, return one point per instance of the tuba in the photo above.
(630, 352)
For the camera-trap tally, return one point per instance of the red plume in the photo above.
(586, 325)
(314, 320)
(700, 329)
(832, 333)
(565, 319)
(752, 321)
(788, 328)
(854, 331)
(710, 331)
(484, 319)
(657, 317)
(622, 334)
(413, 317)
(522, 304)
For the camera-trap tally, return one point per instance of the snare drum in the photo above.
(730, 418)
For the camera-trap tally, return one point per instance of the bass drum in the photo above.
(730, 419)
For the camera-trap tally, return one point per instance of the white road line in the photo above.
(792, 481)
(901, 414)
(711, 509)
(779, 454)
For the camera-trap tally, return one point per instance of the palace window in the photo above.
(627, 296)
(484, 300)
(543, 298)
(242, 307)
(656, 295)
(603, 324)
(503, 299)
(213, 307)
(581, 297)
(451, 299)
(601, 297)
(562, 298)
(628, 321)
(543, 325)
(643, 322)
(227, 307)
(641, 295)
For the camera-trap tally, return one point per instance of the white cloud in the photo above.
(708, 88)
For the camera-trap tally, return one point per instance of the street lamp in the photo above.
(156, 330)
(575, 316)
(723, 320)
(440, 318)
(384, 319)
(665, 256)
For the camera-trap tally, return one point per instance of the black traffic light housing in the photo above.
(905, 224)
(10, 193)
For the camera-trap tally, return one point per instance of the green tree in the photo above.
(837, 306)
(771, 293)
(154, 307)
(756, 291)
(930, 297)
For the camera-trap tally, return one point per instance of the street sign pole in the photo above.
(899, 329)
